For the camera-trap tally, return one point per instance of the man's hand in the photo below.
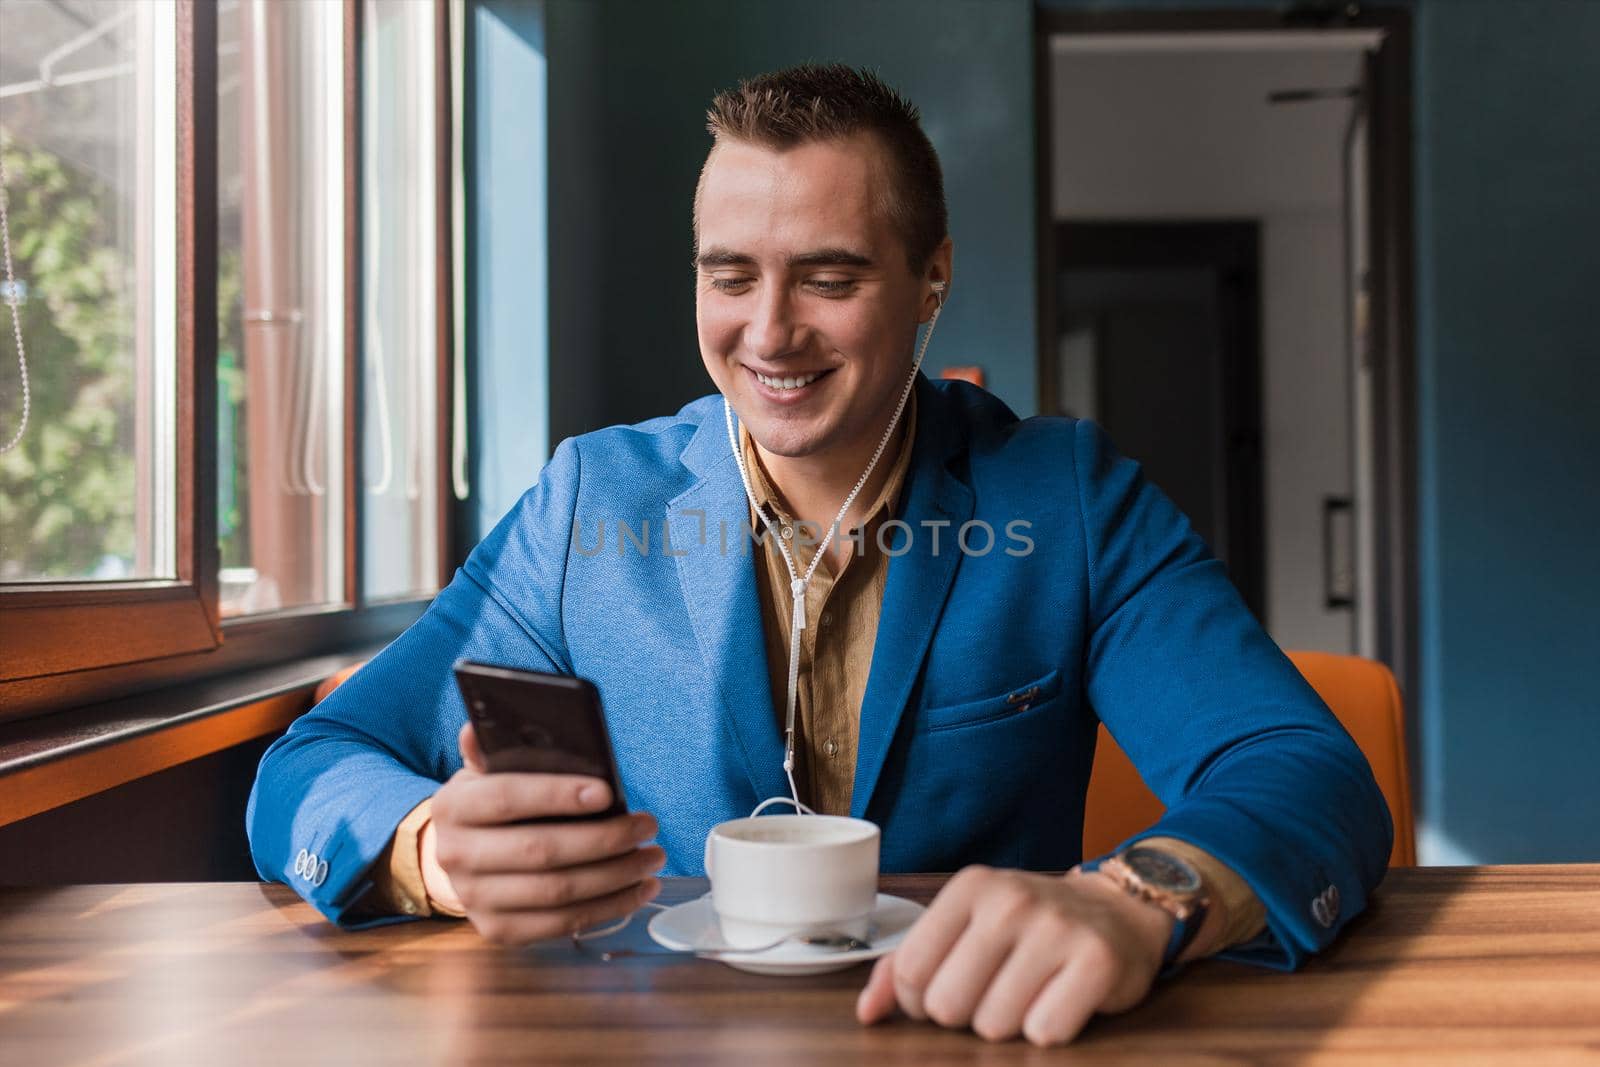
(520, 883)
(1009, 952)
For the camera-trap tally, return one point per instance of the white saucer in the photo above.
(692, 926)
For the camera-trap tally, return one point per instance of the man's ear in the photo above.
(938, 273)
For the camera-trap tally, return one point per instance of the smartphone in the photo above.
(540, 723)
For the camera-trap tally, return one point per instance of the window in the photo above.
(280, 296)
(402, 253)
(87, 142)
(230, 223)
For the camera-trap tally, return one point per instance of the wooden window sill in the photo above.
(52, 760)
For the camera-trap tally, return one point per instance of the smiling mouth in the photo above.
(793, 382)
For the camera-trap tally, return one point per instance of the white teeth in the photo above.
(787, 383)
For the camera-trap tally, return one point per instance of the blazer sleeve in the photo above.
(333, 789)
(1251, 765)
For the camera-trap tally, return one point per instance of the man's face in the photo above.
(806, 306)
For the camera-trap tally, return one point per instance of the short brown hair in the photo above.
(821, 102)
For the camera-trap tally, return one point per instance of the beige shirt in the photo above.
(836, 646)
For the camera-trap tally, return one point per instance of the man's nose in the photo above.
(772, 331)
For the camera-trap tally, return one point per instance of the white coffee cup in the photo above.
(773, 876)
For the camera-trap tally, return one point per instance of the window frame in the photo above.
(73, 643)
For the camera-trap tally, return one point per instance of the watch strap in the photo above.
(1185, 928)
(1184, 932)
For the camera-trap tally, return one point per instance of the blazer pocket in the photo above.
(1001, 706)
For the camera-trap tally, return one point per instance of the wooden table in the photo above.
(1450, 965)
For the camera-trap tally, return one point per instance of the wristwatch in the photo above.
(1167, 881)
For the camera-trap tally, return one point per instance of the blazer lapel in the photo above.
(717, 576)
(918, 582)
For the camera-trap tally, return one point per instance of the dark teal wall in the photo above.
(629, 85)
(1508, 181)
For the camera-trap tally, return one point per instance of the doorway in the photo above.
(1284, 430)
(1158, 343)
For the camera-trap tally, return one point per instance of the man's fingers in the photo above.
(557, 889)
(523, 927)
(545, 847)
(957, 987)
(1068, 1000)
(877, 996)
(1015, 987)
(471, 753)
(497, 799)
(931, 936)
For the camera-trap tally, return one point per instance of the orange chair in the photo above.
(1363, 696)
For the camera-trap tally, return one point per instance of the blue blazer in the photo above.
(1116, 613)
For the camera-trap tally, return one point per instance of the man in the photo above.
(949, 684)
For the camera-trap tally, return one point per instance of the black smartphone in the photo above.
(540, 723)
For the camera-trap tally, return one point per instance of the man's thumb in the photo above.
(471, 754)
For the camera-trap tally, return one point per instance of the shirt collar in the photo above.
(766, 496)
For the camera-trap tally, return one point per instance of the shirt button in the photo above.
(787, 531)
(300, 862)
(310, 871)
(827, 618)
(830, 748)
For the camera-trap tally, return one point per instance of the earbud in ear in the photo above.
(938, 287)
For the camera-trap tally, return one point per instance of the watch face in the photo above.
(1161, 870)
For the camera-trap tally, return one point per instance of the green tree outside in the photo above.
(67, 488)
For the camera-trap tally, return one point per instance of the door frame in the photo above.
(1391, 227)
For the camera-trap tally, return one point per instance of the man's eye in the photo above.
(729, 285)
(831, 287)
